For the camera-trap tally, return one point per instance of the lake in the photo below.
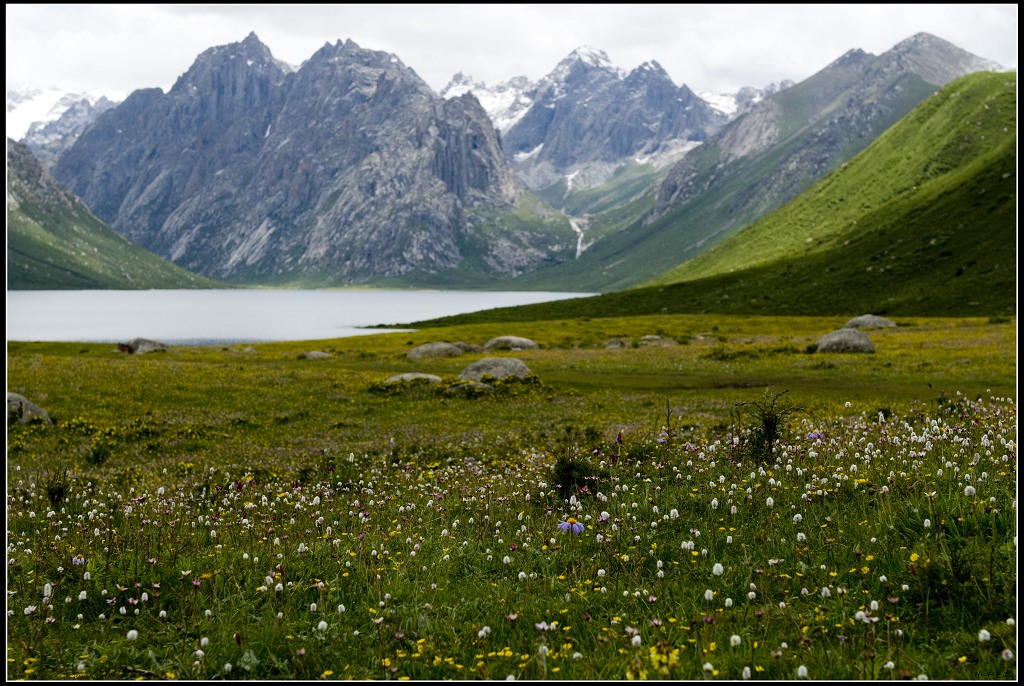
(213, 317)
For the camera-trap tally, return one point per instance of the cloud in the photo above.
(114, 49)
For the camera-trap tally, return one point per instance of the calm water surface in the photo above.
(208, 317)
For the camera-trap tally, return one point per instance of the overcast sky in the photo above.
(115, 49)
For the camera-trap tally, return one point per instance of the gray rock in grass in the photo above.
(495, 367)
(845, 341)
(21, 410)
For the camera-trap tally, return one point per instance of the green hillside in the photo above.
(54, 242)
(922, 223)
(951, 138)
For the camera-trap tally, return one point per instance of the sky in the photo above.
(113, 50)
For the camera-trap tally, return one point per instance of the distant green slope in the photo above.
(951, 137)
(55, 243)
(944, 248)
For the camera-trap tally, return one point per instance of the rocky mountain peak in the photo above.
(935, 60)
(350, 167)
(587, 118)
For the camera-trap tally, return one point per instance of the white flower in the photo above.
(204, 641)
(735, 640)
(322, 626)
(312, 607)
(600, 573)
(984, 635)
(770, 501)
(801, 672)
(83, 595)
(718, 569)
(746, 672)
(506, 559)
(132, 635)
(636, 640)
(227, 667)
(728, 602)
(200, 654)
(709, 595)
(483, 632)
(969, 491)
(889, 665)
(708, 667)
(927, 523)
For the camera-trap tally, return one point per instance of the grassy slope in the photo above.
(50, 251)
(947, 248)
(950, 138)
(54, 242)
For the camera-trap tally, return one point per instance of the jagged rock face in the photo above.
(28, 181)
(807, 130)
(587, 116)
(350, 166)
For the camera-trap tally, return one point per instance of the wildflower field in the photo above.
(724, 504)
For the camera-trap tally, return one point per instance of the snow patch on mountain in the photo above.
(40, 106)
(505, 103)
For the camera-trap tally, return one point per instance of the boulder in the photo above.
(869, 321)
(495, 367)
(411, 377)
(845, 341)
(440, 349)
(510, 343)
(658, 341)
(616, 343)
(314, 355)
(467, 347)
(138, 346)
(21, 410)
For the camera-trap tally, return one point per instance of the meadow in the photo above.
(719, 502)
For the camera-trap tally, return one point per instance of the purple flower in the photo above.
(571, 525)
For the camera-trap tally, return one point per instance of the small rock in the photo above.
(413, 377)
(868, 321)
(440, 349)
(845, 341)
(495, 367)
(138, 346)
(21, 410)
(510, 343)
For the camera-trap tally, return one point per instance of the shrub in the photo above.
(770, 413)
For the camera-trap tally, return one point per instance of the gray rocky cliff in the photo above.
(349, 168)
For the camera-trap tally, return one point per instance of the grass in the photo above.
(241, 512)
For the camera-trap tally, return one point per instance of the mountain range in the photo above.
(350, 169)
